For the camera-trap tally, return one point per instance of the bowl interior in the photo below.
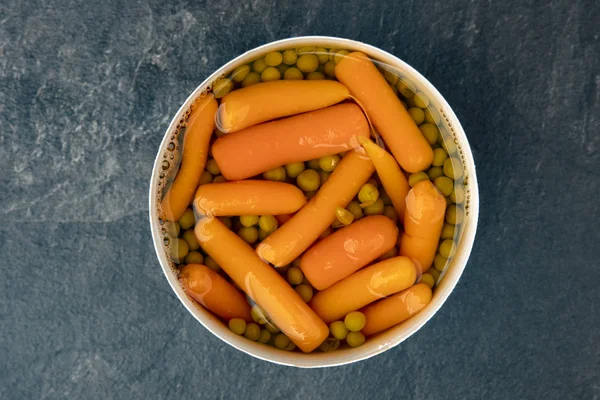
(376, 344)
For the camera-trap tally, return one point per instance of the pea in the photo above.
(259, 65)
(322, 55)
(344, 216)
(328, 163)
(355, 339)
(308, 180)
(275, 174)
(339, 55)
(447, 248)
(421, 100)
(413, 179)
(179, 249)
(226, 221)
(453, 168)
(314, 164)
(329, 344)
(289, 57)
(447, 231)
(417, 115)
(251, 79)
(315, 76)
(386, 199)
(355, 209)
(454, 215)
(393, 252)
(187, 220)
(376, 208)
(281, 341)
(391, 77)
(330, 69)
(190, 239)
(270, 74)
(405, 88)
(271, 328)
(440, 262)
(249, 220)
(439, 156)
(428, 280)
(249, 234)
(444, 185)
(240, 73)
(219, 179)
(262, 235)
(293, 74)
(212, 167)
(173, 229)
(307, 63)
(264, 337)
(273, 58)
(194, 257)
(310, 194)
(338, 330)
(258, 315)
(291, 346)
(252, 331)
(296, 262)
(237, 326)
(390, 212)
(212, 264)
(268, 223)
(327, 232)
(205, 178)
(305, 291)
(222, 87)
(336, 224)
(295, 276)
(294, 169)
(432, 116)
(435, 172)
(449, 145)
(458, 194)
(430, 132)
(306, 49)
(355, 321)
(368, 194)
(324, 175)
(282, 68)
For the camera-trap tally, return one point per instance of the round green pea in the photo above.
(338, 330)
(273, 59)
(290, 57)
(222, 87)
(421, 100)
(454, 215)
(251, 79)
(262, 235)
(212, 264)
(179, 249)
(295, 276)
(307, 63)
(282, 68)
(453, 168)
(376, 208)
(444, 185)
(310, 194)
(390, 212)
(458, 194)
(315, 76)
(431, 116)
(294, 169)
(270, 74)
(368, 193)
(249, 234)
(190, 239)
(386, 199)
(435, 273)
(322, 55)
(212, 167)
(308, 180)
(355, 321)
(449, 145)
(306, 49)
(413, 179)
(305, 291)
(187, 220)
(249, 220)
(237, 326)
(281, 341)
(240, 73)
(324, 175)
(417, 115)
(447, 248)
(252, 331)
(329, 344)
(259, 65)
(355, 339)
(435, 172)
(271, 328)
(219, 179)
(430, 132)
(330, 69)
(264, 337)
(447, 231)
(328, 163)
(391, 77)
(440, 262)
(314, 164)
(258, 315)
(276, 174)
(428, 280)
(291, 346)
(339, 55)
(405, 88)
(268, 223)
(173, 229)
(293, 74)
(439, 156)
(194, 257)
(355, 209)
(205, 178)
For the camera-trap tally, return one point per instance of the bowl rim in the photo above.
(391, 337)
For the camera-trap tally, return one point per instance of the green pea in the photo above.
(258, 315)
(205, 178)
(249, 234)
(259, 65)
(410, 102)
(187, 220)
(306, 49)
(355, 339)
(179, 249)
(413, 179)
(310, 194)
(264, 337)
(344, 216)
(339, 55)
(329, 344)
(275, 174)
(417, 115)
(338, 330)
(327, 232)
(237, 326)
(324, 175)
(458, 194)
(315, 76)
(449, 145)
(391, 77)
(262, 235)
(330, 69)
(219, 179)
(355, 209)
(190, 239)
(454, 215)
(390, 212)
(212, 167)
(328, 163)
(444, 185)
(291, 346)
(337, 224)
(293, 74)
(271, 328)
(440, 262)
(268, 223)
(295, 276)
(222, 87)
(270, 74)
(355, 321)
(368, 194)
(294, 169)
(421, 100)
(290, 57)
(453, 168)
(432, 116)
(447, 231)
(314, 164)
(305, 291)
(307, 63)
(447, 248)
(212, 264)
(430, 132)
(322, 55)
(296, 262)
(428, 280)
(435, 273)
(439, 156)
(252, 331)
(281, 341)
(393, 252)
(282, 68)
(251, 79)
(386, 199)
(240, 73)
(249, 220)
(435, 172)
(308, 180)
(406, 88)
(376, 208)
(173, 229)
(273, 58)
(194, 257)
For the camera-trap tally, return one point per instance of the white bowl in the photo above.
(390, 338)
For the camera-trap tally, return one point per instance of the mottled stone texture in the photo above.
(88, 88)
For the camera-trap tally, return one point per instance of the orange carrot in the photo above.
(423, 222)
(303, 137)
(212, 291)
(395, 309)
(385, 111)
(347, 250)
(270, 100)
(287, 243)
(262, 283)
(364, 287)
(200, 126)
(248, 198)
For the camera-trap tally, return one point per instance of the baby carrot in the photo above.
(395, 309)
(262, 283)
(248, 198)
(347, 250)
(287, 243)
(423, 222)
(212, 291)
(364, 287)
(392, 178)
(259, 148)
(385, 111)
(270, 100)
(200, 126)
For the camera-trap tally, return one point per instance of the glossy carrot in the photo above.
(303, 137)
(287, 243)
(262, 283)
(395, 309)
(385, 111)
(200, 126)
(364, 287)
(212, 291)
(423, 222)
(393, 180)
(266, 101)
(347, 250)
(248, 198)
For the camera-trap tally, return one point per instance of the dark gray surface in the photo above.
(88, 88)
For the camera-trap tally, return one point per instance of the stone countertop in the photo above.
(88, 88)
